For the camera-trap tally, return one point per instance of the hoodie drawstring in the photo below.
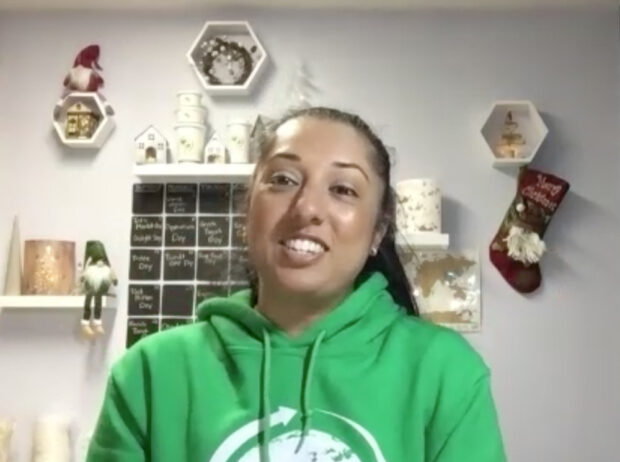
(306, 393)
(307, 389)
(266, 405)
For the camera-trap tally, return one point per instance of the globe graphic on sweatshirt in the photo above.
(317, 447)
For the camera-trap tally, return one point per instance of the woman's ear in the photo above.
(378, 236)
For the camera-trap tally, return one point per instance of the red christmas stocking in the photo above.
(517, 247)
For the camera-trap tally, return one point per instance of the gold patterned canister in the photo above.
(418, 206)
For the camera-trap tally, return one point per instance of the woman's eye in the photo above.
(344, 191)
(281, 179)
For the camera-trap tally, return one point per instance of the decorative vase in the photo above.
(189, 98)
(419, 206)
(190, 142)
(238, 141)
(49, 267)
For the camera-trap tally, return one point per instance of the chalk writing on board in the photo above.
(212, 265)
(179, 264)
(138, 328)
(146, 231)
(143, 299)
(181, 231)
(213, 231)
(181, 198)
(145, 264)
(238, 232)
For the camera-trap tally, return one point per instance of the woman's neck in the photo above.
(294, 312)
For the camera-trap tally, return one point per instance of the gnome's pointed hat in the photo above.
(88, 57)
(95, 251)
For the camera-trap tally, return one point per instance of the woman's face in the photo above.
(313, 209)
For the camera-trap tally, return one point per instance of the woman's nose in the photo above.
(308, 206)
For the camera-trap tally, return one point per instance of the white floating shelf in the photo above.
(527, 122)
(424, 241)
(99, 107)
(188, 172)
(241, 35)
(50, 302)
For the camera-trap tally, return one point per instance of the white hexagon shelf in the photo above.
(227, 57)
(83, 120)
(513, 132)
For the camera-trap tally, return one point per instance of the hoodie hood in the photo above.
(367, 311)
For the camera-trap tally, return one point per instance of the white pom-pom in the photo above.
(524, 246)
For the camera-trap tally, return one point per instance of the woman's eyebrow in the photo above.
(351, 165)
(286, 155)
(339, 164)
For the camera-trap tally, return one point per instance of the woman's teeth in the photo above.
(304, 245)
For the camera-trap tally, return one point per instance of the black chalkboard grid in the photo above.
(187, 245)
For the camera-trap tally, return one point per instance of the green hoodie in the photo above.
(364, 383)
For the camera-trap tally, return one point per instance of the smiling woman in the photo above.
(324, 358)
(319, 210)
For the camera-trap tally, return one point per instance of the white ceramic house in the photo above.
(215, 150)
(151, 147)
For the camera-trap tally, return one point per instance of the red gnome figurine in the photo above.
(84, 76)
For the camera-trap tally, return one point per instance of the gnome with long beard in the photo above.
(97, 278)
(84, 76)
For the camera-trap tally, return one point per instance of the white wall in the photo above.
(425, 78)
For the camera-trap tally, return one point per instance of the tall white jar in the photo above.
(238, 141)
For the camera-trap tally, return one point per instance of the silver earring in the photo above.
(373, 251)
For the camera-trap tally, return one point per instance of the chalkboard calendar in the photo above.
(187, 244)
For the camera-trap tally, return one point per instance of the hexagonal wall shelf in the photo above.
(83, 120)
(227, 57)
(513, 132)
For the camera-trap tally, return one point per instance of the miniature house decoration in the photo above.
(227, 57)
(151, 147)
(513, 133)
(83, 120)
(215, 150)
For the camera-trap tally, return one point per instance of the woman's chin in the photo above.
(301, 280)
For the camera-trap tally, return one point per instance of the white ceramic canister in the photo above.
(51, 442)
(189, 98)
(6, 432)
(190, 142)
(191, 114)
(418, 206)
(238, 141)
